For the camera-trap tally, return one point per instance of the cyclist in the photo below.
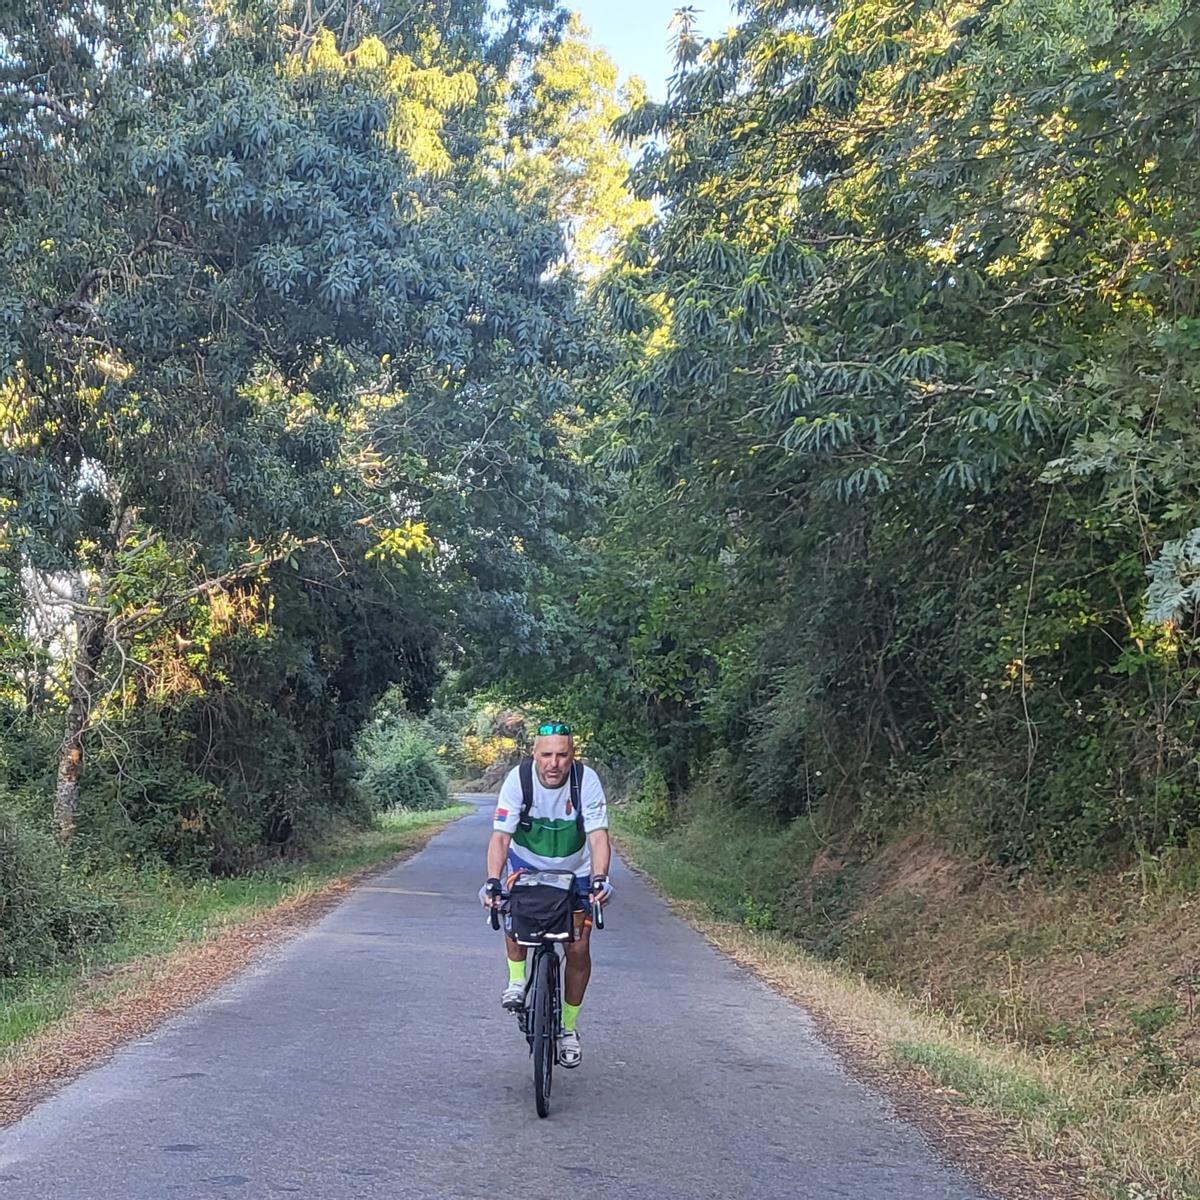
(553, 839)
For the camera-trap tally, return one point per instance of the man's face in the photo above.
(553, 755)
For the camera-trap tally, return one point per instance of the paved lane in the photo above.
(370, 1060)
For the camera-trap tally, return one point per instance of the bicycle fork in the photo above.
(523, 1014)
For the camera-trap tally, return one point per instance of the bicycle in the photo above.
(540, 1019)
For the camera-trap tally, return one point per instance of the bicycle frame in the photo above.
(556, 968)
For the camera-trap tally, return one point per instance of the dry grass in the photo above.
(1126, 1142)
(1104, 965)
(1042, 1121)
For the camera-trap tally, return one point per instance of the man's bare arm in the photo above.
(497, 854)
(601, 849)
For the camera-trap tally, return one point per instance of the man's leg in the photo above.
(514, 994)
(577, 974)
(579, 966)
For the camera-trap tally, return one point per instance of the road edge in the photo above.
(138, 997)
(971, 1140)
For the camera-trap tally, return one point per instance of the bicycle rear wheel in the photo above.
(543, 1028)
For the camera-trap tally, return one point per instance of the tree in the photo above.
(565, 151)
(907, 362)
(266, 320)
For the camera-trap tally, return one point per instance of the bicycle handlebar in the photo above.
(493, 913)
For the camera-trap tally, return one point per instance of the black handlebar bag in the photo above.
(541, 908)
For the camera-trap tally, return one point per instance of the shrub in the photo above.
(399, 768)
(471, 740)
(44, 912)
(649, 812)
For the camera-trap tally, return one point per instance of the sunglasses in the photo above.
(554, 729)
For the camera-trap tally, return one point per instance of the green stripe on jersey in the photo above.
(551, 839)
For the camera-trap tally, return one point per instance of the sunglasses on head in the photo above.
(554, 729)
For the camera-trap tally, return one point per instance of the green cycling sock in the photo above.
(570, 1015)
(516, 971)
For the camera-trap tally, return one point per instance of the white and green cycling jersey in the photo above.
(554, 841)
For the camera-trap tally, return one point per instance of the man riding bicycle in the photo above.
(555, 819)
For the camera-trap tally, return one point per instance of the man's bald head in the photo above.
(553, 754)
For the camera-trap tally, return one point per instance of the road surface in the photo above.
(370, 1060)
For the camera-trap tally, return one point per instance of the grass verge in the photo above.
(1037, 1122)
(166, 912)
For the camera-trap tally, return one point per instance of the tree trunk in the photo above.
(83, 692)
(42, 665)
(81, 697)
(36, 678)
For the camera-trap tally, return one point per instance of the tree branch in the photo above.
(57, 107)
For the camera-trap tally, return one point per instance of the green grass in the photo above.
(1002, 1090)
(736, 867)
(164, 911)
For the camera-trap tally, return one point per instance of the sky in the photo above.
(635, 33)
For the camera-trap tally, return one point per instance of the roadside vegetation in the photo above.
(292, 372)
(149, 914)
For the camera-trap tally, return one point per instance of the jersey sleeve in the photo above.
(508, 804)
(595, 806)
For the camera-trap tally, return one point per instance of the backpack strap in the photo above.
(576, 788)
(525, 772)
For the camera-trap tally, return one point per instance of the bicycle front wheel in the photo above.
(543, 1027)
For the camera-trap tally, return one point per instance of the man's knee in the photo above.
(580, 949)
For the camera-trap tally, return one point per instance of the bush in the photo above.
(472, 740)
(399, 768)
(44, 912)
(648, 811)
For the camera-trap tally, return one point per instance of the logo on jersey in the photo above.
(502, 814)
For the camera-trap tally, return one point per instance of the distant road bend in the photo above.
(370, 1060)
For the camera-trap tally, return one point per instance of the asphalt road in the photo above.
(370, 1059)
